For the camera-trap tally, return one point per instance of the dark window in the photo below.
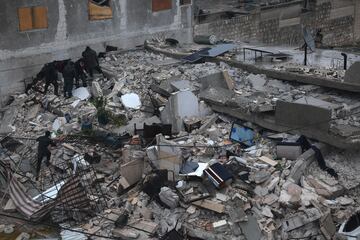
(100, 9)
(185, 2)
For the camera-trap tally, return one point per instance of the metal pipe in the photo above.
(345, 60)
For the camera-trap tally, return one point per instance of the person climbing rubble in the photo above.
(43, 151)
(69, 74)
(91, 61)
(50, 74)
(80, 73)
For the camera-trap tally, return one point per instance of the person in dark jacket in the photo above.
(91, 61)
(80, 72)
(69, 74)
(43, 151)
(50, 74)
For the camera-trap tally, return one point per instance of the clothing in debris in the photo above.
(305, 145)
(69, 75)
(91, 61)
(80, 73)
(43, 151)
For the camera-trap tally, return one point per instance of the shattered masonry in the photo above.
(205, 151)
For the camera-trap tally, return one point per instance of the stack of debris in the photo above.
(167, 164)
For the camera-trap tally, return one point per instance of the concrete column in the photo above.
(357, 21)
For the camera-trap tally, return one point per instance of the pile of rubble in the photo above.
(165, 165)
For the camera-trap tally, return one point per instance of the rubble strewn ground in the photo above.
(143, 188)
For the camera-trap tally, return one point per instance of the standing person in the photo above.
(80, 72)
(91, 61)
(51, 77)
(50, 74)
(69, 74)
(43, 151)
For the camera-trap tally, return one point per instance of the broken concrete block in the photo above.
(181, 105)
(210, 205)
(292, 115)
(327, 226)
(325, 190)
(293, 223)
(290, 195)
(257, 81)
(116, 89)
(266, 211)
(290, 151)
(125, 234)
(132, 171)
(96, 90)
(268, 161)
(260, 176)
(6, 123)
(353, 73)
(131, 101)
(33, 111)
(219, 225)
(147, 226)
(181, 85)
(215, 80)
(170, 198)
(251, 228)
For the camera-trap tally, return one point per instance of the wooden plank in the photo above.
(229, 81)
(210, 205)
(40, 18)
(99, 12)
(160, 5)
(25, 19)
(268, 161)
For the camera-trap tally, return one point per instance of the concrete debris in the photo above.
(96, 90)
(170, 161)
(170, 198)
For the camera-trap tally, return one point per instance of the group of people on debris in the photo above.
(70, 71)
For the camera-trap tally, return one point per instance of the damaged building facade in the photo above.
(281, 22)
(36, 32)
(173, 137)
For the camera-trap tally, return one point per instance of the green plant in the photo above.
(104, 116)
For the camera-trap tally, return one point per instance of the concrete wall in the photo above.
(23, 53)
(357, 22)
(283, 25)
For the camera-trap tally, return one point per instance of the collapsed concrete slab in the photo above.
(302, 115)
(352, 75)
(216, 80)
(6, 125)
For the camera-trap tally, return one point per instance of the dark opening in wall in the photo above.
(100, 9)
(185, 2)
(160, 5)
(102, 2)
